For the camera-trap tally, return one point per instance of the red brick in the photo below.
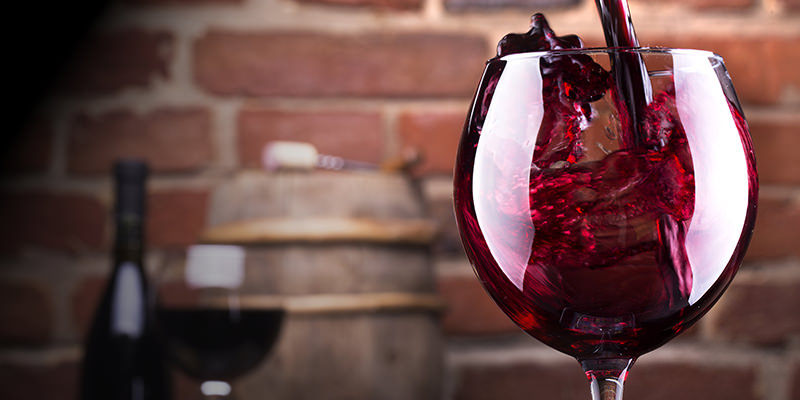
(522, 381)
(775, 142)
(62, 221)
(84, 301)
(706, 4)
(377, 4)
(470, 310)
(31, 150)
(26, 314)
(790, 5)
(761, 68)
(169, 140)
(57, 381)
(522, 4)
(689, 381)
(786, 56)
(350, 134)
(181, 2)
(116, 60)
(176, 217)
(379, 64)
(776, 234)
(436, 135)
(759, 312)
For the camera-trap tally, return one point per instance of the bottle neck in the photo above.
(129, 211)
(129, 239)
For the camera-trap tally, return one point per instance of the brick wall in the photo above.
(196, 87)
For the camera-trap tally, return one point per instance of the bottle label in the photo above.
(128, 306)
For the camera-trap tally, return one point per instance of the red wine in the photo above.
(123, 359)
(594, 261)
(628, 69)
(218, 344)
(617, 23)
(633, 92)
(539, 38)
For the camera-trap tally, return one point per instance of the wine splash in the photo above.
(539, 38)
(628, 70)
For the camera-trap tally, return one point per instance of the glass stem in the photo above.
(607, 377)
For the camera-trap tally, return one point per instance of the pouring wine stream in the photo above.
(607, 376)
(628, 69)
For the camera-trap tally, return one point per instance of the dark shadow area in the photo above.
(41, 39)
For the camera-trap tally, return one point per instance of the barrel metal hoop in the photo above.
(334, 303)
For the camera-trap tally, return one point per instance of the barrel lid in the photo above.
(323, 229)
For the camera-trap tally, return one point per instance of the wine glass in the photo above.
(216, 317)
(600, 235)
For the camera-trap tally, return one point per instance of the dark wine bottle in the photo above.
(122, 359)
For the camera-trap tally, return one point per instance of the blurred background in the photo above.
(197, 87)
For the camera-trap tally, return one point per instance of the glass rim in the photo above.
(610, 50)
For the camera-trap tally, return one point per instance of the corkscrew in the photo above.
(288, 155)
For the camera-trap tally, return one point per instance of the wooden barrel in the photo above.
(349, 255)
